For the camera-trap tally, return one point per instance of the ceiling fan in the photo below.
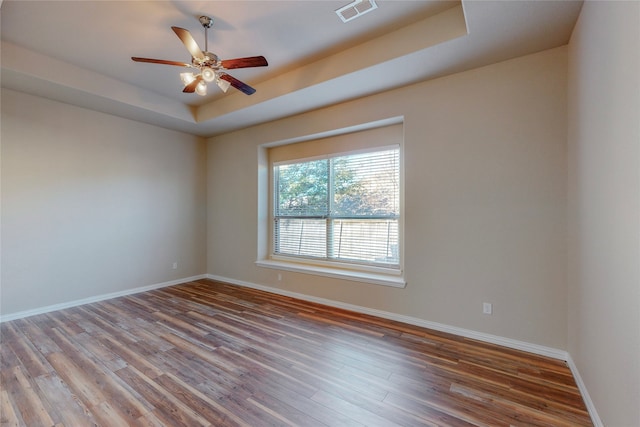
(209, 67)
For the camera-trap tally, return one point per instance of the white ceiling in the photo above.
(80, 52)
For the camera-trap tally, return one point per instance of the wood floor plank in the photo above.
(350, 410)
(130, 355)
(510, 404)
(8, 416)
(33, 410)
(169, 405)
(206, 353)
(8, 358)
(78, 382)
(25, 354)
(205, 408)
(451, 413)
(282, 411)
(68, 407)
(324, 415)
(36, 335)
(118, 399)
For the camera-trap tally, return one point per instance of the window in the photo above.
(339, 208)
(330, 204)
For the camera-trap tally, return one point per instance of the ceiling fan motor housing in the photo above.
(209, 60)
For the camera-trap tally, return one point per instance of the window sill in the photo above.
(337, 273)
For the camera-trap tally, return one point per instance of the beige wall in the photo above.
(485, 200)
(94, 204)
(604, 207)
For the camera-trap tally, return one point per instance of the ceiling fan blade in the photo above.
(189, 42)
(251, 61)
(241, 86)
(191, 87)
(161, 61)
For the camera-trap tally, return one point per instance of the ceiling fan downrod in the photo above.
(207, 22)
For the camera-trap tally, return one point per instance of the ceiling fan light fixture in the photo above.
(201, 89)
(223, 84)
(208, 74)
(187, 78)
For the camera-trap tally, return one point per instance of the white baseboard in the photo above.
(49, 308)
(595, 418)
(467, 333)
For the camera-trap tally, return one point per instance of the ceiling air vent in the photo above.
(356, 9)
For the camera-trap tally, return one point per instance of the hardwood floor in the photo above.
(211, 354)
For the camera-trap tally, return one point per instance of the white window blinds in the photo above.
(341, 208)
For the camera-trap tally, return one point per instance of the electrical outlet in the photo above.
(279, 277)
(487, 308)
(175, 265)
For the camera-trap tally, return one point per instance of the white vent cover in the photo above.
(356, 9)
